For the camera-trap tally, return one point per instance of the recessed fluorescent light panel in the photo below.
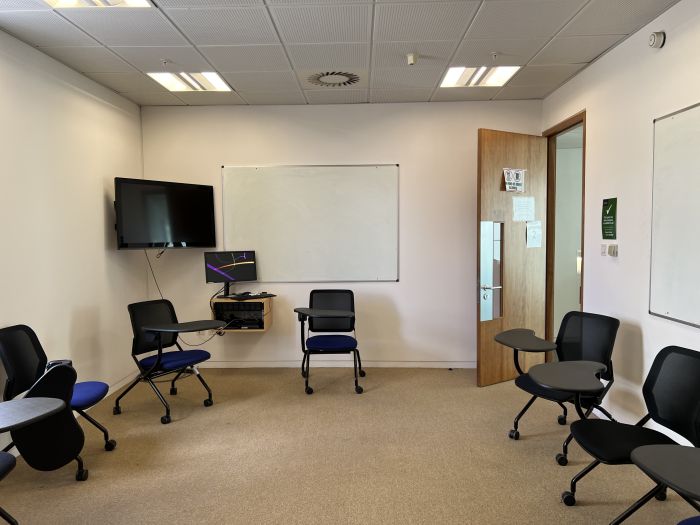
(483, 76)
(207, 81)
(62, 4)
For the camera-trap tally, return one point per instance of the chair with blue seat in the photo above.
(330, 343)
(21, 348)
(160, 363)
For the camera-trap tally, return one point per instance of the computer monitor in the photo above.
(230, 267)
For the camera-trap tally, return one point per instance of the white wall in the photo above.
(622, 93)
(63, 140)
(426, 319)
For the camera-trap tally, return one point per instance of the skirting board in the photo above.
(338, 363)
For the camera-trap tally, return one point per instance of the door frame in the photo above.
(551, 133)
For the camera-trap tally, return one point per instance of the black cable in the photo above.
(153, 273)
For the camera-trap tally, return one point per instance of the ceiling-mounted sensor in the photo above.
(411, 59)
(657, 39)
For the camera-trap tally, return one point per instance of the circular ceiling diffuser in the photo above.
(334, 79)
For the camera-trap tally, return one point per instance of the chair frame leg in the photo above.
(522, 413)
(135, 382)
(638, 504)
(303, 363)
(359, 363)
(581, 474)
(605, 412)
(565, 411)
(307, 356)
(8, 517)
(562, 458)
(95, 423)
(177, 376)
(9, 447)
(201, 380)
(160, 396)
(355, 359)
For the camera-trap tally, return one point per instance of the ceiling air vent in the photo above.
(333, 79)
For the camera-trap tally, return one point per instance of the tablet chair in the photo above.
(582, 336)
(161, 363)
(330, 344)
(672, 397)
(25, 362)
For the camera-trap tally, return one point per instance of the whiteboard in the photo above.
(315, 223)
(675, 252)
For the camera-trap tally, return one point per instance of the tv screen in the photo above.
(225, 267)
(155, 214)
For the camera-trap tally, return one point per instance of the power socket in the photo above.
(612, 250)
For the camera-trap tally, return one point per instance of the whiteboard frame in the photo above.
(651, 233)
(398, 214)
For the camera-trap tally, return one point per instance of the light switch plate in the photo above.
(603, 249)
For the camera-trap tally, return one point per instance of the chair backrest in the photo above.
(332, 300)
(23, 358)
(146, 313)
(672, 391)
(56, 440)
(588, 337)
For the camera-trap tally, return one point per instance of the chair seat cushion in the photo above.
(176, 360)
(526, 383)
(7, 463)
(695, 520)
(87, 394)
(612, 442)
(331, 342)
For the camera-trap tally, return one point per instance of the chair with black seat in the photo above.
(25, 362)
(160, 363)
(582, 336)
(335, 343)
(672, 397)
(7, 463)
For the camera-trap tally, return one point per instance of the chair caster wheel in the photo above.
(561, 420)
(309, 390)
(173, 391)
(362, 373)
(562, 459)
(514, 434)
(110, 445)
(208, 402)
(165, 420)
(81, 475)
(359, 390)
(661, 496)
(568, 499)
(116, 410)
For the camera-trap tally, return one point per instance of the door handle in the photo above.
(491, 287)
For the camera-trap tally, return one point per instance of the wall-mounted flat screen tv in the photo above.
(156, 214)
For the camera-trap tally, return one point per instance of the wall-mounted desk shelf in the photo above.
(244, 315)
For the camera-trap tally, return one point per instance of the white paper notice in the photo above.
(534, 234)
(523, 209)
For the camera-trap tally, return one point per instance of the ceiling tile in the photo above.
(509, 51)
(164, 4)
(328, 56)
(545, 75)
(43, 28)
(128, 27)
(400, 95)
(273, 98)
(428, 54)
(324, 2)
(225, 26)
(525, 92)
(413, 22)
(89, 59)
(154, 99)
(279, 81)
(575, 49)
(328, 23)
(150, 59)
(304, 74)
(614, 17)
(127, 82)
(464, 93)
(523, 18)
(406, 78)
(210, 99)
(40, 5)
(336, 96)
(231, 59)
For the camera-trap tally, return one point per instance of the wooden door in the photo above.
(512, 286)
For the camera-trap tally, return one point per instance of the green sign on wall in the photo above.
(609, 221)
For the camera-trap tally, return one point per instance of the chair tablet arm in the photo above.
(57, 362)
(302, 317)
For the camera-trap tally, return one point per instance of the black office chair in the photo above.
(330, 344)
(25, 362)
(672, 397)
(57, 440)
(161, 363)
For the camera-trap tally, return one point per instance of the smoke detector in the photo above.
(333, 79)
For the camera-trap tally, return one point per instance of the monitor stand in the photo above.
(227, 290)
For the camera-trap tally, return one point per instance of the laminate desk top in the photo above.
(524, 340)
(17, 413)
(675, 466)
(317, 312)
(570, 376)
(190, 326)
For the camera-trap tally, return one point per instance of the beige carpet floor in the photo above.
(419, 446)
